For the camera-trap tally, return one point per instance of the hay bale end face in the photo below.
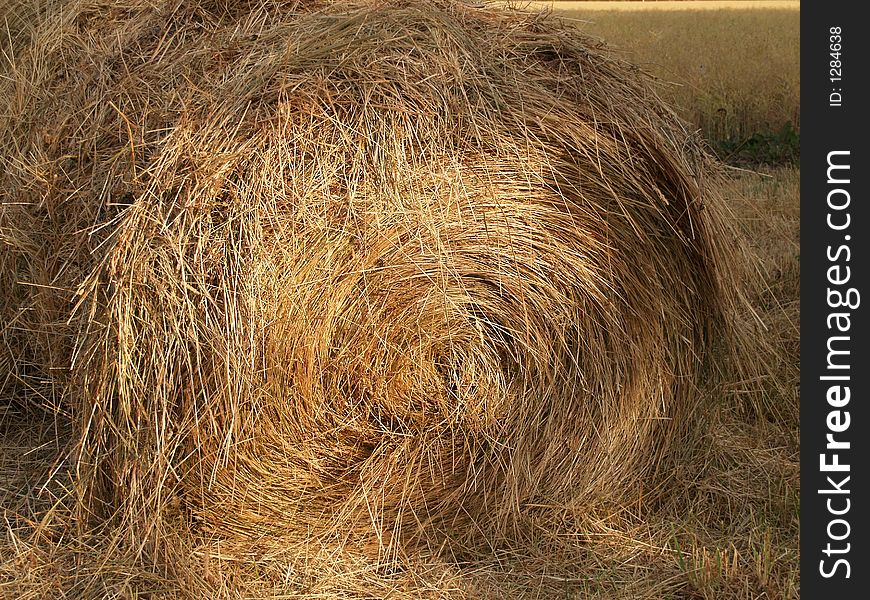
(363, 271)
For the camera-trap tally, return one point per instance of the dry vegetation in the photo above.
(415, 361)
(734, 72)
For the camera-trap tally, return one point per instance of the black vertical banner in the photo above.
(835, 368)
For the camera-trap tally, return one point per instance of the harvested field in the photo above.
(732, 69)
(359, 299)
(664, 5)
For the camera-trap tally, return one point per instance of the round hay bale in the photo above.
(357, 271)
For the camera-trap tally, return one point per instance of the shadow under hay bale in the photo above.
(362, 272)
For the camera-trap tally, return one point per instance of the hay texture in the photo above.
(368, 273)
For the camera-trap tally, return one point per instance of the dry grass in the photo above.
(730, 70)
(664, 5)
(413, 302)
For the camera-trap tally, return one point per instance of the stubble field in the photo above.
(733, 68)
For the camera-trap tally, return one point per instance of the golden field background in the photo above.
(732, 68)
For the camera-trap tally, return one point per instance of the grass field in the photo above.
(733, 531)
(666, 5)
(731, 68)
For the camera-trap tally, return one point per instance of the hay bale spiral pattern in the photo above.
(365, 271)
